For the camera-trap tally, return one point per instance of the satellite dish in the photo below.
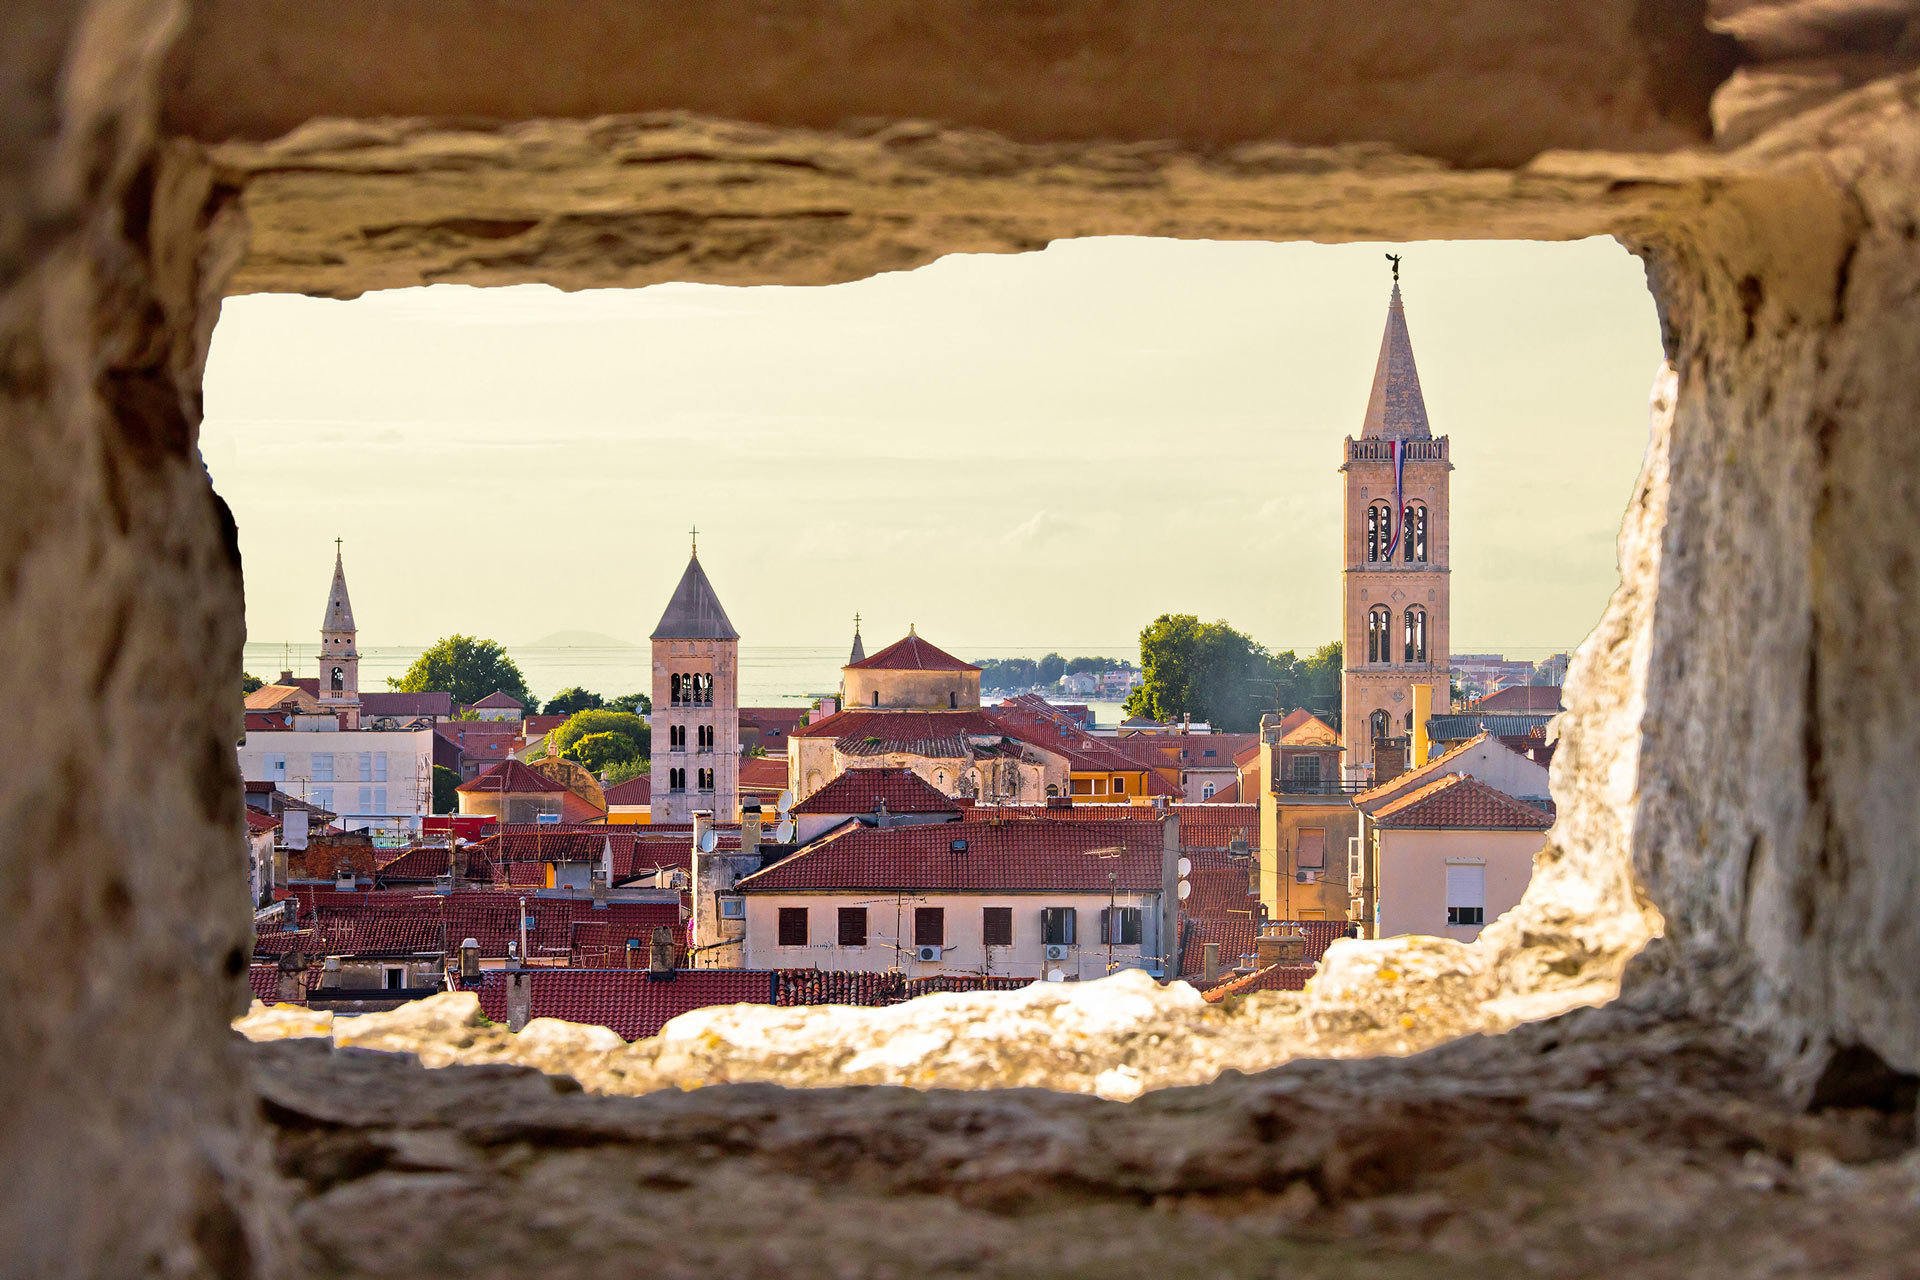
(1056, 975)
(709, 839)
(1186, 888)
(786, 800)
(1186, 867)
(784, 832)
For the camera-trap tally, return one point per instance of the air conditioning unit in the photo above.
(1056, 951)
(1305, 877)
(928, 955)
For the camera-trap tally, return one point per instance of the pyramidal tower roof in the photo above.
(859, 650)
(1395, 408)
(694, 612)
(339, 608)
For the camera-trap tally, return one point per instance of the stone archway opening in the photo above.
(1742, 729)
(1567, 949)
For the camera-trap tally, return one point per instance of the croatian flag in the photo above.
(1399, 500)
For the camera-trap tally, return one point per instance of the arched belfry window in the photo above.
(1413, 532)
(1379, 531)
(1379, 634)
(339, 679)
(1416, 634)
(1381, 724)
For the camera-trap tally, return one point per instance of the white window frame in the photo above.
(1466, 892)
(320, 766)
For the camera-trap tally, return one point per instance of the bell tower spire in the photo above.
(1396, 584)
(339, 687)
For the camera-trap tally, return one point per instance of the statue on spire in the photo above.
(1394, 258)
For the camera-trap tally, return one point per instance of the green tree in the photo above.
(249, 682)
(599, 750)
(446, 789)
(625, 771)
(466, 667)
(1052, 667)
(639, 703)
(568, 701)
(585, 723)
(1096, 665)
(1206, 670)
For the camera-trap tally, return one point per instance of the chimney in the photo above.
(749, 825)
(519, 999)
(344, 880)
(598, 878)
(293, 978)
(456, 864)
(286, 677)
(881, 818)
(1277, 943)
(1389, 759)
(702, 823)
(330, 974)
(1210, 963)
(470, 959)
(660, 955)
(1059, 802)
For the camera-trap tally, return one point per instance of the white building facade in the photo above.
(374, 780)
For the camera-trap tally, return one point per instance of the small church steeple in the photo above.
(1395, 408)
(859, 649)
(339, 676)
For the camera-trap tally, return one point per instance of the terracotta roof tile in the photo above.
(513, 778)
(1434, 768)
(1048, 855)
(1275, 977)
(1524, 697)
(636, 790)
(626, 1001)
(911, 654)
(501, 700)
(858, 791)
(1461, 801)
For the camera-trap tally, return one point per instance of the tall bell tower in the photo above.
(696, 704)
(339, 654)
(1396, 601)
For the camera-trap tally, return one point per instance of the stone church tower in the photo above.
(696, 704)
(1395, 613)
(339, 687)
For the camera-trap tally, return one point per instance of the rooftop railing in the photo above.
(1375, 450)
(1318, 787)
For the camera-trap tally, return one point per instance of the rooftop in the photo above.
(694, 612)
(911, 654)
(1396, 410)
(859, 791)
(1048, 855)
(512, 778)
(1458, 801)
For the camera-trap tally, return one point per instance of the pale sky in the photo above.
(1045, 449)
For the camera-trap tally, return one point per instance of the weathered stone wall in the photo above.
(1738, 723)
(123, 912)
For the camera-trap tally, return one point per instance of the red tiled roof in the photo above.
(1460, 800)
(1229, 794)
(859, 790)
(1046, 855)
(536, 726)
(1400, 783)
(626, 1001)
(1523, 697)
(1216, 824)
(343, 931)
(423, 862)
(776, 721)
(602, 944)
(903, 726)
(264, 981)
(1275, 977)
(395, 702)
(637, 790)
(1219, 890)
(911, 654)
(258, 821)
(763, 774)
(1235, 934)
(513, 778)
(501, 699)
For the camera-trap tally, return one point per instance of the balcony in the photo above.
(1318, 787)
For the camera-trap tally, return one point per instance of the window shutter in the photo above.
(1313, 847)
(1106, 925)
(1467, 886)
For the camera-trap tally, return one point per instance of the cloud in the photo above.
(1039, 529)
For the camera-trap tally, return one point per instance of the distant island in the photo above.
(578, 640)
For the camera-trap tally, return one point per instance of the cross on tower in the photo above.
(336, 548)
(696, 540)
